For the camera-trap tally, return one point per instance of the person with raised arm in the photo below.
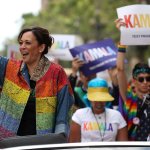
(136, 105)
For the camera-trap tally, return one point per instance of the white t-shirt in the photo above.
(90, 132)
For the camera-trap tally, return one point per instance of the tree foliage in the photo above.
(93, 20)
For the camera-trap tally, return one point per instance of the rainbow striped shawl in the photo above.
(129, 110)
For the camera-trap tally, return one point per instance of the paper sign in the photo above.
(62, 44)
(97, 56)
(137, 29)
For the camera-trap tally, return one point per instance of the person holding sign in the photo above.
(79, 84)
(136, 107)
(36, 95)
(98, 123)
(79, 90)
(91, 58)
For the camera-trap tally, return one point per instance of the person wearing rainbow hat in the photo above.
(98, 123)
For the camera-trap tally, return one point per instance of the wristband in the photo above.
(122, 48)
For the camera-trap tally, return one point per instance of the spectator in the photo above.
(98, 123)
(79, 91)
(136, 106)
(114, 90)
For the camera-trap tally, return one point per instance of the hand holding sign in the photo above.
(119, 23)
(97, 56)
(136, 30)
(76, 64)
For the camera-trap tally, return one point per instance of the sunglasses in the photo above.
(141, 79)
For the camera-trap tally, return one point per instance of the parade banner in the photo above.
(137, 29)
(97, 56)
(62, 44)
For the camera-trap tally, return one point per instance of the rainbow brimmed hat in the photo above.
(98, 90)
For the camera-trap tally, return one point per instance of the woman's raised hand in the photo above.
(119, 23)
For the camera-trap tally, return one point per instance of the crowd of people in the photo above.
(38, 98)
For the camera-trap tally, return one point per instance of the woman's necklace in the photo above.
(101, 134)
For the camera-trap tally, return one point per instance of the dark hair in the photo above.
(42, 35)
(140, 68)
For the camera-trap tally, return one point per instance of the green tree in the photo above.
(93, 20)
